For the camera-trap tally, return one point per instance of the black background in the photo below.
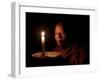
(77, 27)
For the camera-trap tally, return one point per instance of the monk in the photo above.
(73, 54)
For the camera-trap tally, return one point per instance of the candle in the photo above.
(43, 41)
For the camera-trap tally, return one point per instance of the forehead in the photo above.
(60, 24)
(59, 27)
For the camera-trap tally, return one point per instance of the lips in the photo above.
(60, 39)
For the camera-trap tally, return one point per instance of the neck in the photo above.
(61, 46)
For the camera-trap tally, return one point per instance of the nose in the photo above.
(59, 35)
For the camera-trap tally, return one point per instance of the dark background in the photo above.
(77, 27)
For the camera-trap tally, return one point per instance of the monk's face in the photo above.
(60, 35)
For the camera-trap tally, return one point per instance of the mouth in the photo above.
(60, 39)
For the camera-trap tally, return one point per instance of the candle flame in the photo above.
(43, 41)
(43, 33)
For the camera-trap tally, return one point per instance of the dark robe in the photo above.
(73, 55)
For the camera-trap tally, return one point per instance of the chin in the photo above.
(59, 44)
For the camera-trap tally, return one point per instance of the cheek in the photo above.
(64, 36)
(56, 37)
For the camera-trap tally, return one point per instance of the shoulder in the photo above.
(77, 47)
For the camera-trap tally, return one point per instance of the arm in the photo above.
(79, 56)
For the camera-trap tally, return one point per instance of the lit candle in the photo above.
(43, 41)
